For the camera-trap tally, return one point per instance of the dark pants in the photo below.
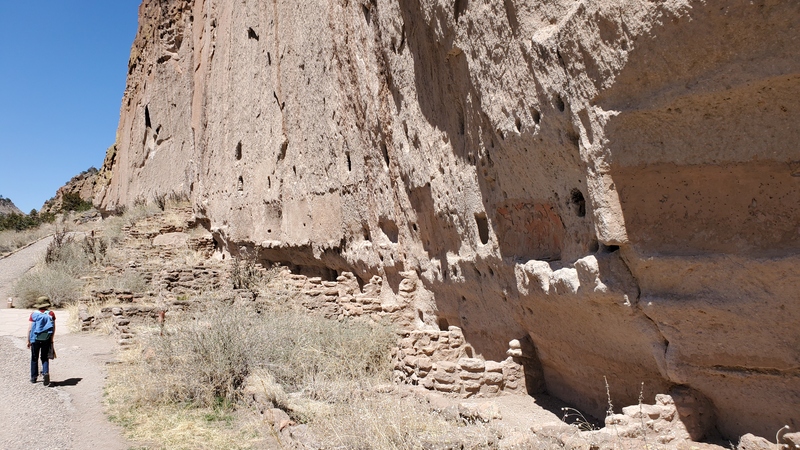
(40, 349)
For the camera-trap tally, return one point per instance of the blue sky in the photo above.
(62, 74)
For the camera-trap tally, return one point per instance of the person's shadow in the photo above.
(67, 382)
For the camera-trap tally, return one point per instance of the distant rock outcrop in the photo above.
(80, 189)
(615, 183)
(8, 207)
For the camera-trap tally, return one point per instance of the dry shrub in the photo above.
(245, 272)
(54, 282)
(66, 259)
(11, 240)
(310, 354)
(202, 363)
(205, 361)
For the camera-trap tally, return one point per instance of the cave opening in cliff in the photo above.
(483, 227)
(385, 152)
(559, 103)
(349, 163)
(251, 34)
(390, 229)
(578, 202)
(239, 151)
(147, 123)
(365, 10)
(444, 325)
(458, 8)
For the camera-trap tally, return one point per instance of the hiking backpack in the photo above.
(42, 326)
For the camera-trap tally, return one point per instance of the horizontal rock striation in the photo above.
(615, 182)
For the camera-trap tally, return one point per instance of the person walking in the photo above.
(41, 329)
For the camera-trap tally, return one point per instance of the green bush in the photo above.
(20, 222)
(72, 201)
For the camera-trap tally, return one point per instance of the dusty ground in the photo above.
(69, 413)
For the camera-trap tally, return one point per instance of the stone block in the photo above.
(424, 364)
(444, 377)
(493, 366)
(446, 366)
(471, 364)
(464, 375)
(443, 387)
(493, 378)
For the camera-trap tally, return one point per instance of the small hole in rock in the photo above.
(483, 227)
(559, 103)
(239, 151)
(349, 163)
(147, 123)
(390, 229)
(366, 12)
(240, 184)
(578, 202)
(537, 116)
(458, 8)
(385, 152)
(251, 34)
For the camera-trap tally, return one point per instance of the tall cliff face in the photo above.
(617, 182)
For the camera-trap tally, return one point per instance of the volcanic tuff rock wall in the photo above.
(616, 181)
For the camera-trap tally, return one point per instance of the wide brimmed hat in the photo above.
(42, 302)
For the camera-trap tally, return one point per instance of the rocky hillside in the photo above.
(8, 207)
(78, 189)
(615, 184)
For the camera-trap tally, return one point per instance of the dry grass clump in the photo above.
(205, 361)
(11, 240)
(176, 427)
(57, 284)
(380, 421)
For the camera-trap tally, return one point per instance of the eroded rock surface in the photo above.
(616, 182)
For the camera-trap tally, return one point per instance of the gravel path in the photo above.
(68, 414)
(33, 417)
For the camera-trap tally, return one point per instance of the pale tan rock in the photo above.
(752, 442)
(176, 240)
(471, 364)
(616, 180)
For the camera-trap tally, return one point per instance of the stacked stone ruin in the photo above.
(442, 361)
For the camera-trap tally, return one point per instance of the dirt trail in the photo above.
(69, 414)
